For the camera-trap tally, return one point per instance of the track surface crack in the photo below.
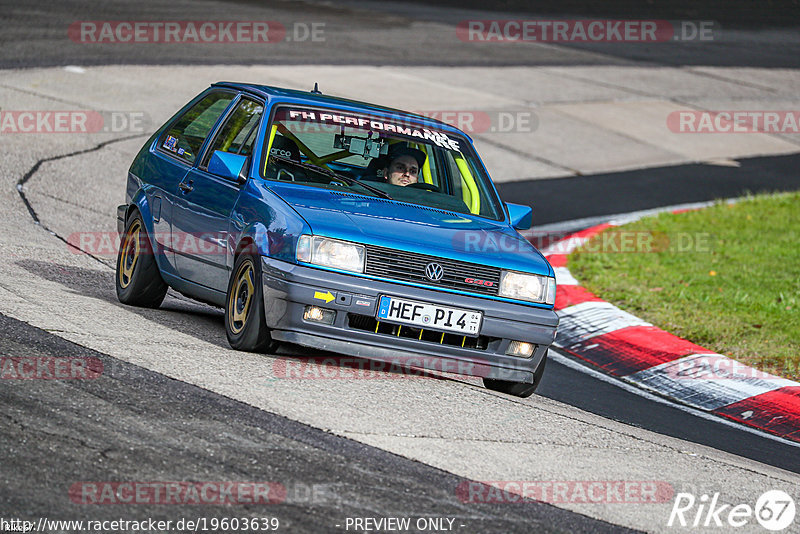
(35, 168)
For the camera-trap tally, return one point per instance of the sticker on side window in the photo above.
(171, 143)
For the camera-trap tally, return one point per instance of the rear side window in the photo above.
(238, 133)
(186, 135)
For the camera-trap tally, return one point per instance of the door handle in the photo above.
(186, 186)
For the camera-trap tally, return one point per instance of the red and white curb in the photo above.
(641, 354)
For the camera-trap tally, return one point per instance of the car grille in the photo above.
(410, 267)
(370, 324)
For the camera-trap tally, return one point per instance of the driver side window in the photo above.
(239, 132)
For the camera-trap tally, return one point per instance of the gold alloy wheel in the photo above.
(130, 254)
(241, 296)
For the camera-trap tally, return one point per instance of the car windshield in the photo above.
(378, 156)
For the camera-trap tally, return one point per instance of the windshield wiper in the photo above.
(332, 174)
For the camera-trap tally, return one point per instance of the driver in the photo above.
(404, 165)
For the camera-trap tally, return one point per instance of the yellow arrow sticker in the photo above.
(327, 296)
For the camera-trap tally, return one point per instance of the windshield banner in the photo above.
(333, 121)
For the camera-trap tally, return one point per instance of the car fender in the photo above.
(139, 201)
(264, 219)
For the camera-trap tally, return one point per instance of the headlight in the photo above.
(331, 253)
(531, 287)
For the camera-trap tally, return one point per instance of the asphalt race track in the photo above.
(175, 404)
(133, 417)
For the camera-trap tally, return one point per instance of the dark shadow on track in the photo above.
(134, 425)
(395, 33)
(731, 13)
(564, 199)
(586, 392)
(206, 323)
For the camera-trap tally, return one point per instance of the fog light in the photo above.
(319, 315)
(521, 349)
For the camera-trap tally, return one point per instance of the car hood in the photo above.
(414, 228)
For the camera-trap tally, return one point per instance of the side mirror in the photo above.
(520, 216)
(229, 165)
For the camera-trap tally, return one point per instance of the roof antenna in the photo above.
(316, 90)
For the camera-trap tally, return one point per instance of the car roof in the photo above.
(305, 97)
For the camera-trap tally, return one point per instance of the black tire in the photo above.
(518, 389)
(138, 279)
(244, 307)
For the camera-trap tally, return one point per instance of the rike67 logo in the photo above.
(774, 510)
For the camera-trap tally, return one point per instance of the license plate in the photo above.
(424, 315)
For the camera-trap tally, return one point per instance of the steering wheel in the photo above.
(423, 185)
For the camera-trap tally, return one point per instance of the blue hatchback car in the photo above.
(337, 225)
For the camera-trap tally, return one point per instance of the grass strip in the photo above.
(726, 277)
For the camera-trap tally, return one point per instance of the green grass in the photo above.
(726, 277)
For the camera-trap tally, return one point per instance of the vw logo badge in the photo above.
(434, 272)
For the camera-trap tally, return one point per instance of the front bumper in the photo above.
(289, 288)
